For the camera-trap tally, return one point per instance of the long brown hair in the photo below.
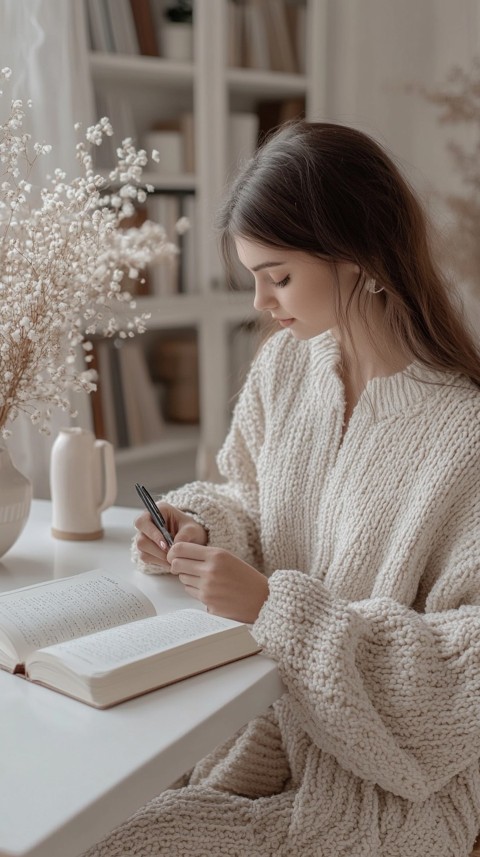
(332, 191)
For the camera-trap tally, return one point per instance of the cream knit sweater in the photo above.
(371, 541)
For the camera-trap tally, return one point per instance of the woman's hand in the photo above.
(151, 545)
(227, 585)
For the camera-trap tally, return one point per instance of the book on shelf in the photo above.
(145, 27)
(125, 407)
(144, 420)
(272, 114)
(281, 45)
(174, 362)
(296, 13)
(101, 38)
(116, 385)
(189, 246)
(174, 274)
(100, 640)
(104, 416)
(183, 125)
(266, 34)
(98, 417)
(257, 51)
(235, 34)
(123, 26)
(164, 274)
(138, 284)
(242, 139)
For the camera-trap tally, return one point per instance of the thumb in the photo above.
(189, 531)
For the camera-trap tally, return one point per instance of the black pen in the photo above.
(155, 513)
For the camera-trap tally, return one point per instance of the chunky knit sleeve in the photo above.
(393, 693)
(229, 510)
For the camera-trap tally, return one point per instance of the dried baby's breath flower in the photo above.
(182, 226)
(62, 263)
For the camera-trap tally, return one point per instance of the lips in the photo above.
(285, 322)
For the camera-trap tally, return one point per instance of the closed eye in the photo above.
(283, 282)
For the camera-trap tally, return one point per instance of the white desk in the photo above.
(70, 773)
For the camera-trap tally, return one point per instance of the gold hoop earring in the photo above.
(371, 286)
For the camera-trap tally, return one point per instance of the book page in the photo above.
(128, 643)
(58, 610)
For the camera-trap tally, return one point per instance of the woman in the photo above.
(347, 529)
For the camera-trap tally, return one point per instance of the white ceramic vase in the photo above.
(83, 483)
(15, 501)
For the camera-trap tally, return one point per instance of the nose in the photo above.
(264, 297)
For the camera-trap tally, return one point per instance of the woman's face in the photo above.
(297, 289)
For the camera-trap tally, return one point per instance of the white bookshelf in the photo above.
(209, 88)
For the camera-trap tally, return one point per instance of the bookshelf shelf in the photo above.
(185, 182)
(248, 81)
(177, 438)
(122, 68)
(212, 104)
(191, 310)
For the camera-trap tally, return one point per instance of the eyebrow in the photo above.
(266, 265)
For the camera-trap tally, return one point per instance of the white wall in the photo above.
(376, 48)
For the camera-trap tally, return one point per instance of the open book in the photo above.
(100, 640)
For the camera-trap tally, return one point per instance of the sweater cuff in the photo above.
(295, 601)
(223, 530)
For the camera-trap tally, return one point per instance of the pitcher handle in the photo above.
(106, 451)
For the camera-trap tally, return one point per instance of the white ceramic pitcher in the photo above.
(83, 482)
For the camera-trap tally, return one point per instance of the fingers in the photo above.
(150, 544)
(147, 529)
(154, 559)
(188, 558)
(188, 550)
(190, 531)
(189, 581)
(181, 526)
(193, 591)
(188, 535)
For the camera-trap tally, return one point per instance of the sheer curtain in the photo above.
(44, 42)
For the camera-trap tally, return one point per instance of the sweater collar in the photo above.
(383, 395)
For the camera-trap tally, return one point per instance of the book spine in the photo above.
(122, 26)
(118, 395)
(145, 27)
(256, 38)
(99, 26)
(105, 388)
(164, 208)
(281, 35)
(189, 247)
(98, 418)
(242, 138)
